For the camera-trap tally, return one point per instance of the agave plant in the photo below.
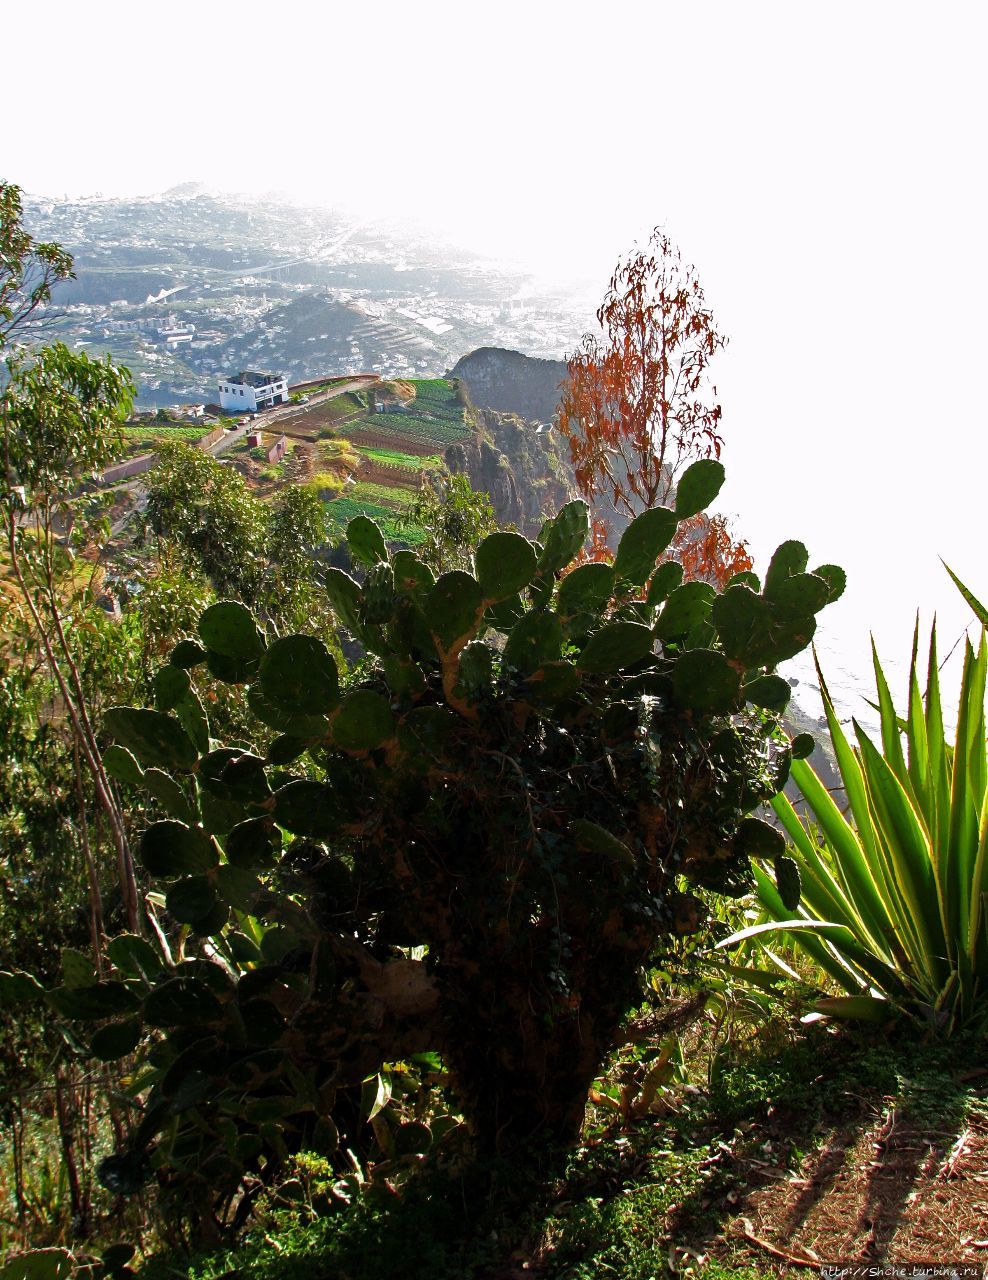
(893, 888)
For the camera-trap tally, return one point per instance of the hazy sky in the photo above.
(822, 165)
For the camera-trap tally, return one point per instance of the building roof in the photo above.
(253, 379)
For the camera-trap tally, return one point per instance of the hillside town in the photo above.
(180, 285)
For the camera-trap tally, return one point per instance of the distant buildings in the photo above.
(248, 392)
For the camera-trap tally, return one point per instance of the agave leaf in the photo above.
(856, 863)
(890, 723)
(976, 933)
(936, 741)
(821, 891)
(962, 837)
(980, 612)
(909, 850)
(919, 749)
(850, 772)
(860, 1008)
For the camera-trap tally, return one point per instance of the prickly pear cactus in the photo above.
(527, 764)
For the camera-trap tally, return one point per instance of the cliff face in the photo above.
(517, 464)
(496, 378)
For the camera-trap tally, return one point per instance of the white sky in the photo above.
(822, 165)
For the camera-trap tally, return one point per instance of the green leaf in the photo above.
(593, 838)
(800, 595)
(253, 845)
(191, 900)
(787, 881)
(803, 745)
(284, 749)
(192, 717)
(789, 559)
(238, 887)
(40, 1264)
(412, 576)
(664, 581)
(78, 970)
(363, 722)
(585, 589)
(979, 610)
(563, 537)
(615, 646)
(171, 685)
(505, 564)
(299, 674)
(154, 738)
(644, 540)
(686, 607)
(476, 666)
(374, 1096)
(453, 609)
(169, 795)
(835, 578)
(173, 849)
(187, 653)
(366, 541)
(297, 724)
(309, 809)
(535, 640)
(181, 1002)
(85, 1004)
(227, 628)
(759, 839)
(703, 681)
(771, 692)
(116, 1040)
(698, 486)
(19, 988)
(121, 765)
(133, 955)
(344, 596)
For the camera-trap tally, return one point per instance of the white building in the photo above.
(247, 392)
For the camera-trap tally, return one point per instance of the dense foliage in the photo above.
(483, 841)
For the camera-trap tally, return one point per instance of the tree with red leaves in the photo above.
(703, 545)
(637, 405)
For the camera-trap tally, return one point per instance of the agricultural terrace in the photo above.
(141, 437)
(361, 462)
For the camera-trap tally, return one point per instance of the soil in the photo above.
(891, 1191)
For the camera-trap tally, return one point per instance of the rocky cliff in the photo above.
(518, 463)
(510, 382)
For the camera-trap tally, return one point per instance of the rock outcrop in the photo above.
(510, 382)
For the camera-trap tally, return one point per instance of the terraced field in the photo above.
(392, 452)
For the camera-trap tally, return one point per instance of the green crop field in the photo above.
(439, 397)
(410, 424)
(159, 433)
(393, 458)
(342, 510)
(365, 491)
